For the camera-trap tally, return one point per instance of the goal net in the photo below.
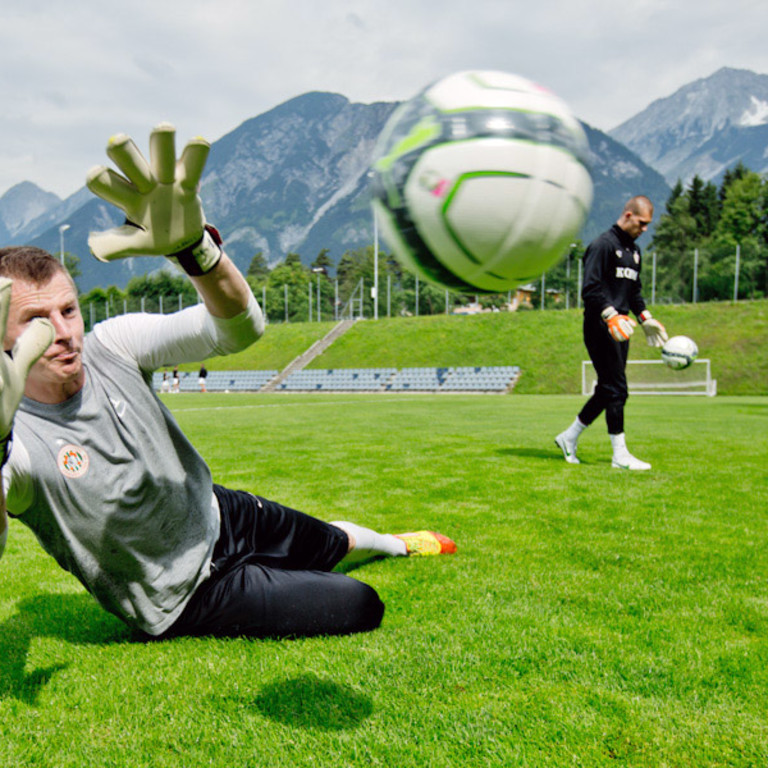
(654, 377)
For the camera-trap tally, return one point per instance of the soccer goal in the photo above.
(654, 377)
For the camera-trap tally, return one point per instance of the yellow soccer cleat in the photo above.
(421, 543)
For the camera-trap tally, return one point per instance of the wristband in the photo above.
(201, 258)
(5, 448)
(644, 315)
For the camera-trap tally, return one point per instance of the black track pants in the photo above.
(610, 360)
(271, 577)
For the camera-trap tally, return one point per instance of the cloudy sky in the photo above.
(74, 73)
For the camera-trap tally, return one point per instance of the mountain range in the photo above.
(704, 128)
(295, 179)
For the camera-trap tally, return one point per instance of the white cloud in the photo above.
(73, 74)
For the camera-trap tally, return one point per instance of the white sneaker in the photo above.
(628, 461)
(568, 447)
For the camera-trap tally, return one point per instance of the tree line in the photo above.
(705, 229)
(291, 290)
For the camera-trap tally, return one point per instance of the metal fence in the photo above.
(365, 301)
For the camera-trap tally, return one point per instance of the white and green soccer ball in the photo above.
(679, 352)
(481, 181)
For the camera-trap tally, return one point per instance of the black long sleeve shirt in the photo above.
(612, 265)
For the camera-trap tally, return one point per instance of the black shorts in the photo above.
(271, 577)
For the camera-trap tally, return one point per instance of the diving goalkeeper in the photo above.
(96, 466)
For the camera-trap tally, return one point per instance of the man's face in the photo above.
(61, 366)
(634, 224)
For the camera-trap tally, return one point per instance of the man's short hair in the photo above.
(29, 264)
(638, 204)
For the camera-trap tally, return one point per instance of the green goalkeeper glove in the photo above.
(655, 332)
(164, 214)
(15, 366)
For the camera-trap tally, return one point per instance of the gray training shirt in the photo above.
(108, 482)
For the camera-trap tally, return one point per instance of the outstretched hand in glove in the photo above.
(164, 214)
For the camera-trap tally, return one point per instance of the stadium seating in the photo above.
(337, 380)
(456, 379)
(496, 379)
(219, 381)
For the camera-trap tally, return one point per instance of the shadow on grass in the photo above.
(76, 619)
(311, 702)
(533, 453)
(306, 701)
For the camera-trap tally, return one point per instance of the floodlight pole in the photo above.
(695, 291)
(375, 266)
(578, 287)
(62, 229)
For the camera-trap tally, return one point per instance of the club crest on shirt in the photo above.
(73, 461)
(619, 253)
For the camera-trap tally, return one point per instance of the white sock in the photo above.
(619, 443)
(370, 543)
(573, 432)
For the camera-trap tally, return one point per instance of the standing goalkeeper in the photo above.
(611, 289)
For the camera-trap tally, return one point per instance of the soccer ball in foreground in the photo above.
(679, 352)
(480, 181)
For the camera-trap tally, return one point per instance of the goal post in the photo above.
(654, 377)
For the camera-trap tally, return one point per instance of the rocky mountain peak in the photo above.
(692, 131)
(22, 204)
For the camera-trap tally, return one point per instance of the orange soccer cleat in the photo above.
(420, 543)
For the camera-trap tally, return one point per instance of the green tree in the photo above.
(72, 265)
(287, 284)
(564, 276)
(676, 192)
(743, 223)
(322, 261)
(163, 282)
(292, 259)
(675, 238)
(703, 205)
(731, 175)
(258, 268)
(714, 221)
(354, 266)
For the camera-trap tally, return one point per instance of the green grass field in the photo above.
(591, 617)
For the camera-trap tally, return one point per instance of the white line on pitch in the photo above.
(290, 405)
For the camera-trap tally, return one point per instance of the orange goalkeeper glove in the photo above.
(621, 327)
